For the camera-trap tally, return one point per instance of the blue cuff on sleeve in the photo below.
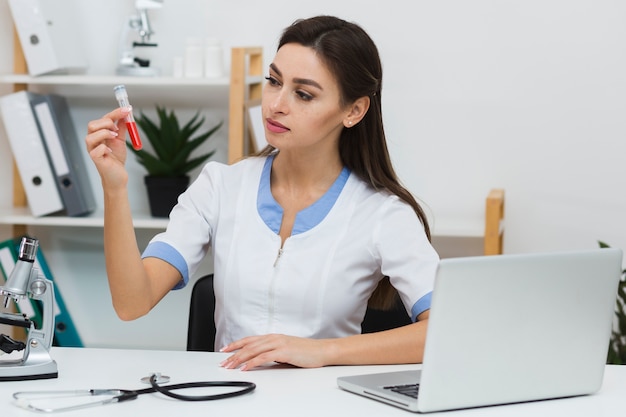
(170, 255)
(421, 305)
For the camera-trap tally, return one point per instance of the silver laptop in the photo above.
(506, 329)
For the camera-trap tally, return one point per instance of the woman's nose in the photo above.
(278, 102)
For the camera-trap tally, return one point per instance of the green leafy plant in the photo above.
(617, 347)
(172, 144)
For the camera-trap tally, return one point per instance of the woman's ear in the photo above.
(358, 110)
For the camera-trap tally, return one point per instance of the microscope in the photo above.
(27, 281)
(130, 63)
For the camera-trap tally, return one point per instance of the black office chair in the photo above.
(201, 329)
(377, 320)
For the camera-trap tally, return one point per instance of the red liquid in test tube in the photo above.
(131, 125)
(134, 135)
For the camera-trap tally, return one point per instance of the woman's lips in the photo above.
(274, 126)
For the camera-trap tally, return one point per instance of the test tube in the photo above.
(122, 98)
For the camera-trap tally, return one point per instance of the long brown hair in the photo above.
(353, 58)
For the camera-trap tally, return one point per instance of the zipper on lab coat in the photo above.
(280, 253)
(271, 293)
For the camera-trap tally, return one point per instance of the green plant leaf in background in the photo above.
(172, 144)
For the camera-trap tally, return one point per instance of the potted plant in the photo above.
(617, 346)
(169, 165)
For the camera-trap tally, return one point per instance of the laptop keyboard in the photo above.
(409, 390)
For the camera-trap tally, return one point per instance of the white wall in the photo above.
(527, 95)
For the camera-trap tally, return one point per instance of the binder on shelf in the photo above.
(47, 33)
(8, 259)
(65, 333)
(64, 152)
(30, 155)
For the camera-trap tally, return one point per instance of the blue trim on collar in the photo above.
(269, 210)
(272, 213)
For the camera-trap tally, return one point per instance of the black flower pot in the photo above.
(163, 193)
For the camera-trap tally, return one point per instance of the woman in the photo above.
(302, 234)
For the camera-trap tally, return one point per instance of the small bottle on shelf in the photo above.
(213, 59)
(193, 58)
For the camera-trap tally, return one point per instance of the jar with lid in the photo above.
(193, 65)
(213, 58)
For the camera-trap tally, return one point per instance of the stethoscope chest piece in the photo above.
(158, 378)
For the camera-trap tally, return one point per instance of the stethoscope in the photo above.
(24, 398)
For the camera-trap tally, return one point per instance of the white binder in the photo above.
(47, 33)
(65, 153)
(29, 154)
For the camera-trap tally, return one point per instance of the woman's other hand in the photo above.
(254, 351)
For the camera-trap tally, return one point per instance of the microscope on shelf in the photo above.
(27, 281)
(130, 63)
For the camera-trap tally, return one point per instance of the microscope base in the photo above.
(23, 377)
(38, 365)
(27, 372)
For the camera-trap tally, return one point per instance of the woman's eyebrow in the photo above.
(305, 81)
(274, 68)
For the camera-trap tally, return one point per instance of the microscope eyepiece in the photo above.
(17, 284)
(28, 249)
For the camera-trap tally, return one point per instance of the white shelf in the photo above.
(98, 89)
(106, 80)
(143, 220)
(23, 216)
(179, 92)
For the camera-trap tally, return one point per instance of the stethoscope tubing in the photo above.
(166, 390)
(23, 398)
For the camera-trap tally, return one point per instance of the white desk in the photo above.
(281, 391)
